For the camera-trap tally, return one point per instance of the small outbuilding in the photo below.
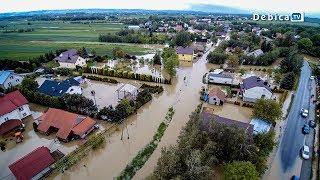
(127, 91)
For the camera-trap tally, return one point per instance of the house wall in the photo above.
(253, 94)
(214, 100)
(67, 65)
(81, 62)
(16, 114)
(12, 80)
(220, 80)
(74, 90)
(185, 59)
(40, 174)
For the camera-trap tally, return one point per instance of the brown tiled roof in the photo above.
(9, 126)
(65, 121)
(32, 164)
(218, 93)
(11, 101)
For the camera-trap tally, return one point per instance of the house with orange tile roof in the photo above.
(216, 96)
(67, 125)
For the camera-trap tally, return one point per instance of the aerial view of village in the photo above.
(158, 90)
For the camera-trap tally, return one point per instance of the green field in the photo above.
(52, 35)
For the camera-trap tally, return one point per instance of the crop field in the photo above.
(52, 35)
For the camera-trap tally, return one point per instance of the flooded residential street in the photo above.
(138, 129)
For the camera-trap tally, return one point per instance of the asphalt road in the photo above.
(306, 166)
(293, 139)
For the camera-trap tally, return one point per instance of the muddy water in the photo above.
(32, 140)
(138, 130)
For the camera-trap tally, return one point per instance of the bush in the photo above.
(103, 79)
(152, 89)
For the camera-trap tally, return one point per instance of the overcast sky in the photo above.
(262, 5)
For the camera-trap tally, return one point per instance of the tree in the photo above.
(265, 142)
(79, 104)
(157, 58)
(29, 84)
(118, 52)
(305, 44)
(83, 52)
(183, 38)
(217, 57)
(233, 61)
(288, 81)
(240, 170)
(266, 46)
(267, 109)
(170, 61)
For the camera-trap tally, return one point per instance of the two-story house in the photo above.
(9, 79)
(13, 106)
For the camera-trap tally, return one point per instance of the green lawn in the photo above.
(52, 35)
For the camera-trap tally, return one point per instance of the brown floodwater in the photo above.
(137, 130)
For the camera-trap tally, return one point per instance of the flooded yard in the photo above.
(31, 141)
(105, 93)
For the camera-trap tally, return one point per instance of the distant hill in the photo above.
(218, 9)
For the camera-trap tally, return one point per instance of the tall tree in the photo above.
(240, 170)
(157, 58)
(305, 44)
(170, 61)
(288, 81)
(267, 109)
(233, 61)
(183, 38)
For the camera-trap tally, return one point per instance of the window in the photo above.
(20, 108)
(9, 84)
(24, 114)
(11, 77)
(17, 80)
(6, 118)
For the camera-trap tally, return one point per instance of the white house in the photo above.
(9, 79)
(220, 77)
(254, 88)
(13, 106)
(70, 59)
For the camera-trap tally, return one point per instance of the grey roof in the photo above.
(207, 118)
(221, 75)
(252, 82)
(184, 50)
(69, 56)
(256, 53)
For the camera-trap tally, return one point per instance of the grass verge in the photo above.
(143, 155)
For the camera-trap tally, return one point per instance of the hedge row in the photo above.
(103, 79)
(152, 89)
(126, 74)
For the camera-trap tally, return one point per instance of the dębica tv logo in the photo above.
(293, 17)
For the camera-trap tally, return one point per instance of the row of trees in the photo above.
(170, 60)
(198, 152)
(138, 38)
(290, 66)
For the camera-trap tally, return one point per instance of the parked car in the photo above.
(304, 112)
(295, 177)
(312, 124)
(305, 152)
(312, 77)
(305, 129)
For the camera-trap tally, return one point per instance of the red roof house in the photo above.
(32, 164)
(65, 123)
(216, 96)
(11, 101)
